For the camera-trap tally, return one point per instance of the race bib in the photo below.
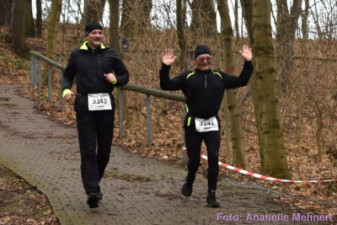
(100, 101)
(206, 125)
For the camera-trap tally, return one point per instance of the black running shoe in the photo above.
(211, 201)
(186, 190)
(92, 200)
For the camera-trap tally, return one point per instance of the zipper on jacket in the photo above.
(205, 81)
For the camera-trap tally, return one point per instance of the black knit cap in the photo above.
(201, 49)
(92, 26)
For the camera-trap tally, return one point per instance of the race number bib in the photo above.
(100, 101)
(206, 125)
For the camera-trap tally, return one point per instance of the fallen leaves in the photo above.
(22, 204)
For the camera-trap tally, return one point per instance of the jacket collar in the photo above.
(199, 71)
(84, 46)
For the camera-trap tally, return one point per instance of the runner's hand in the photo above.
(246, 53)
(69, 97)
(110, 77)
(168, 57)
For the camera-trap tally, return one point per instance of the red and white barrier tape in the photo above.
(263, 177)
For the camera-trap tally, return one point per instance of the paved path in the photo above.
(136, 190)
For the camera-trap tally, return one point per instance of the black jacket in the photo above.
(87, 67)
(204, 90)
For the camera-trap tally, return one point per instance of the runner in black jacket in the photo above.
(204, 89)
(97, 70)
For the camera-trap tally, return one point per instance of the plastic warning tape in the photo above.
(263, 177)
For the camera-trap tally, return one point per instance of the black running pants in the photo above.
(193, 141)
(95, 131)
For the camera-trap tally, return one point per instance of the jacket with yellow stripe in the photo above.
(204, 90)
(87, 67)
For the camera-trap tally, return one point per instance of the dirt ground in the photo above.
(21, 203)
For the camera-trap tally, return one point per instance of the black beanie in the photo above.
(201, 49)
(92, 26)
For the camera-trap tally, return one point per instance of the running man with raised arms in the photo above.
(204, 89)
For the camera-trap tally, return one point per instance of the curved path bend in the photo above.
(136, 190)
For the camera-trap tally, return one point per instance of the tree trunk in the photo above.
(181, 35)
(54, 17)
(128, 25)
(247, 10)
(39, 18)
(31, 27)
(145, 20)
(20, 25)
(315, 16)
(135, 17)
(265, 96)
(234, 113)
(93, 11)
(305, 30)
(203, 17)
(6, 7)
(236, 15)
(184, 13)
(114, 25)
(287, 22)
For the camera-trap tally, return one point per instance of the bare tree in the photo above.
(135, 17)
(234, 112)
(93, 10)
(265, 94)
(287, 23)
(127, 24)
(54, 16)
(6, 7)
(145, 20)
(21, 23)
(247, 11)
(39, 18)
(181, 35)
(326, 21)
(305, 15)
(315, 16)
(53, 25)
(114, 25)
(203, 17)
(236, 20)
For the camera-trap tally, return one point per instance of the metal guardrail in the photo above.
(36, 80)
